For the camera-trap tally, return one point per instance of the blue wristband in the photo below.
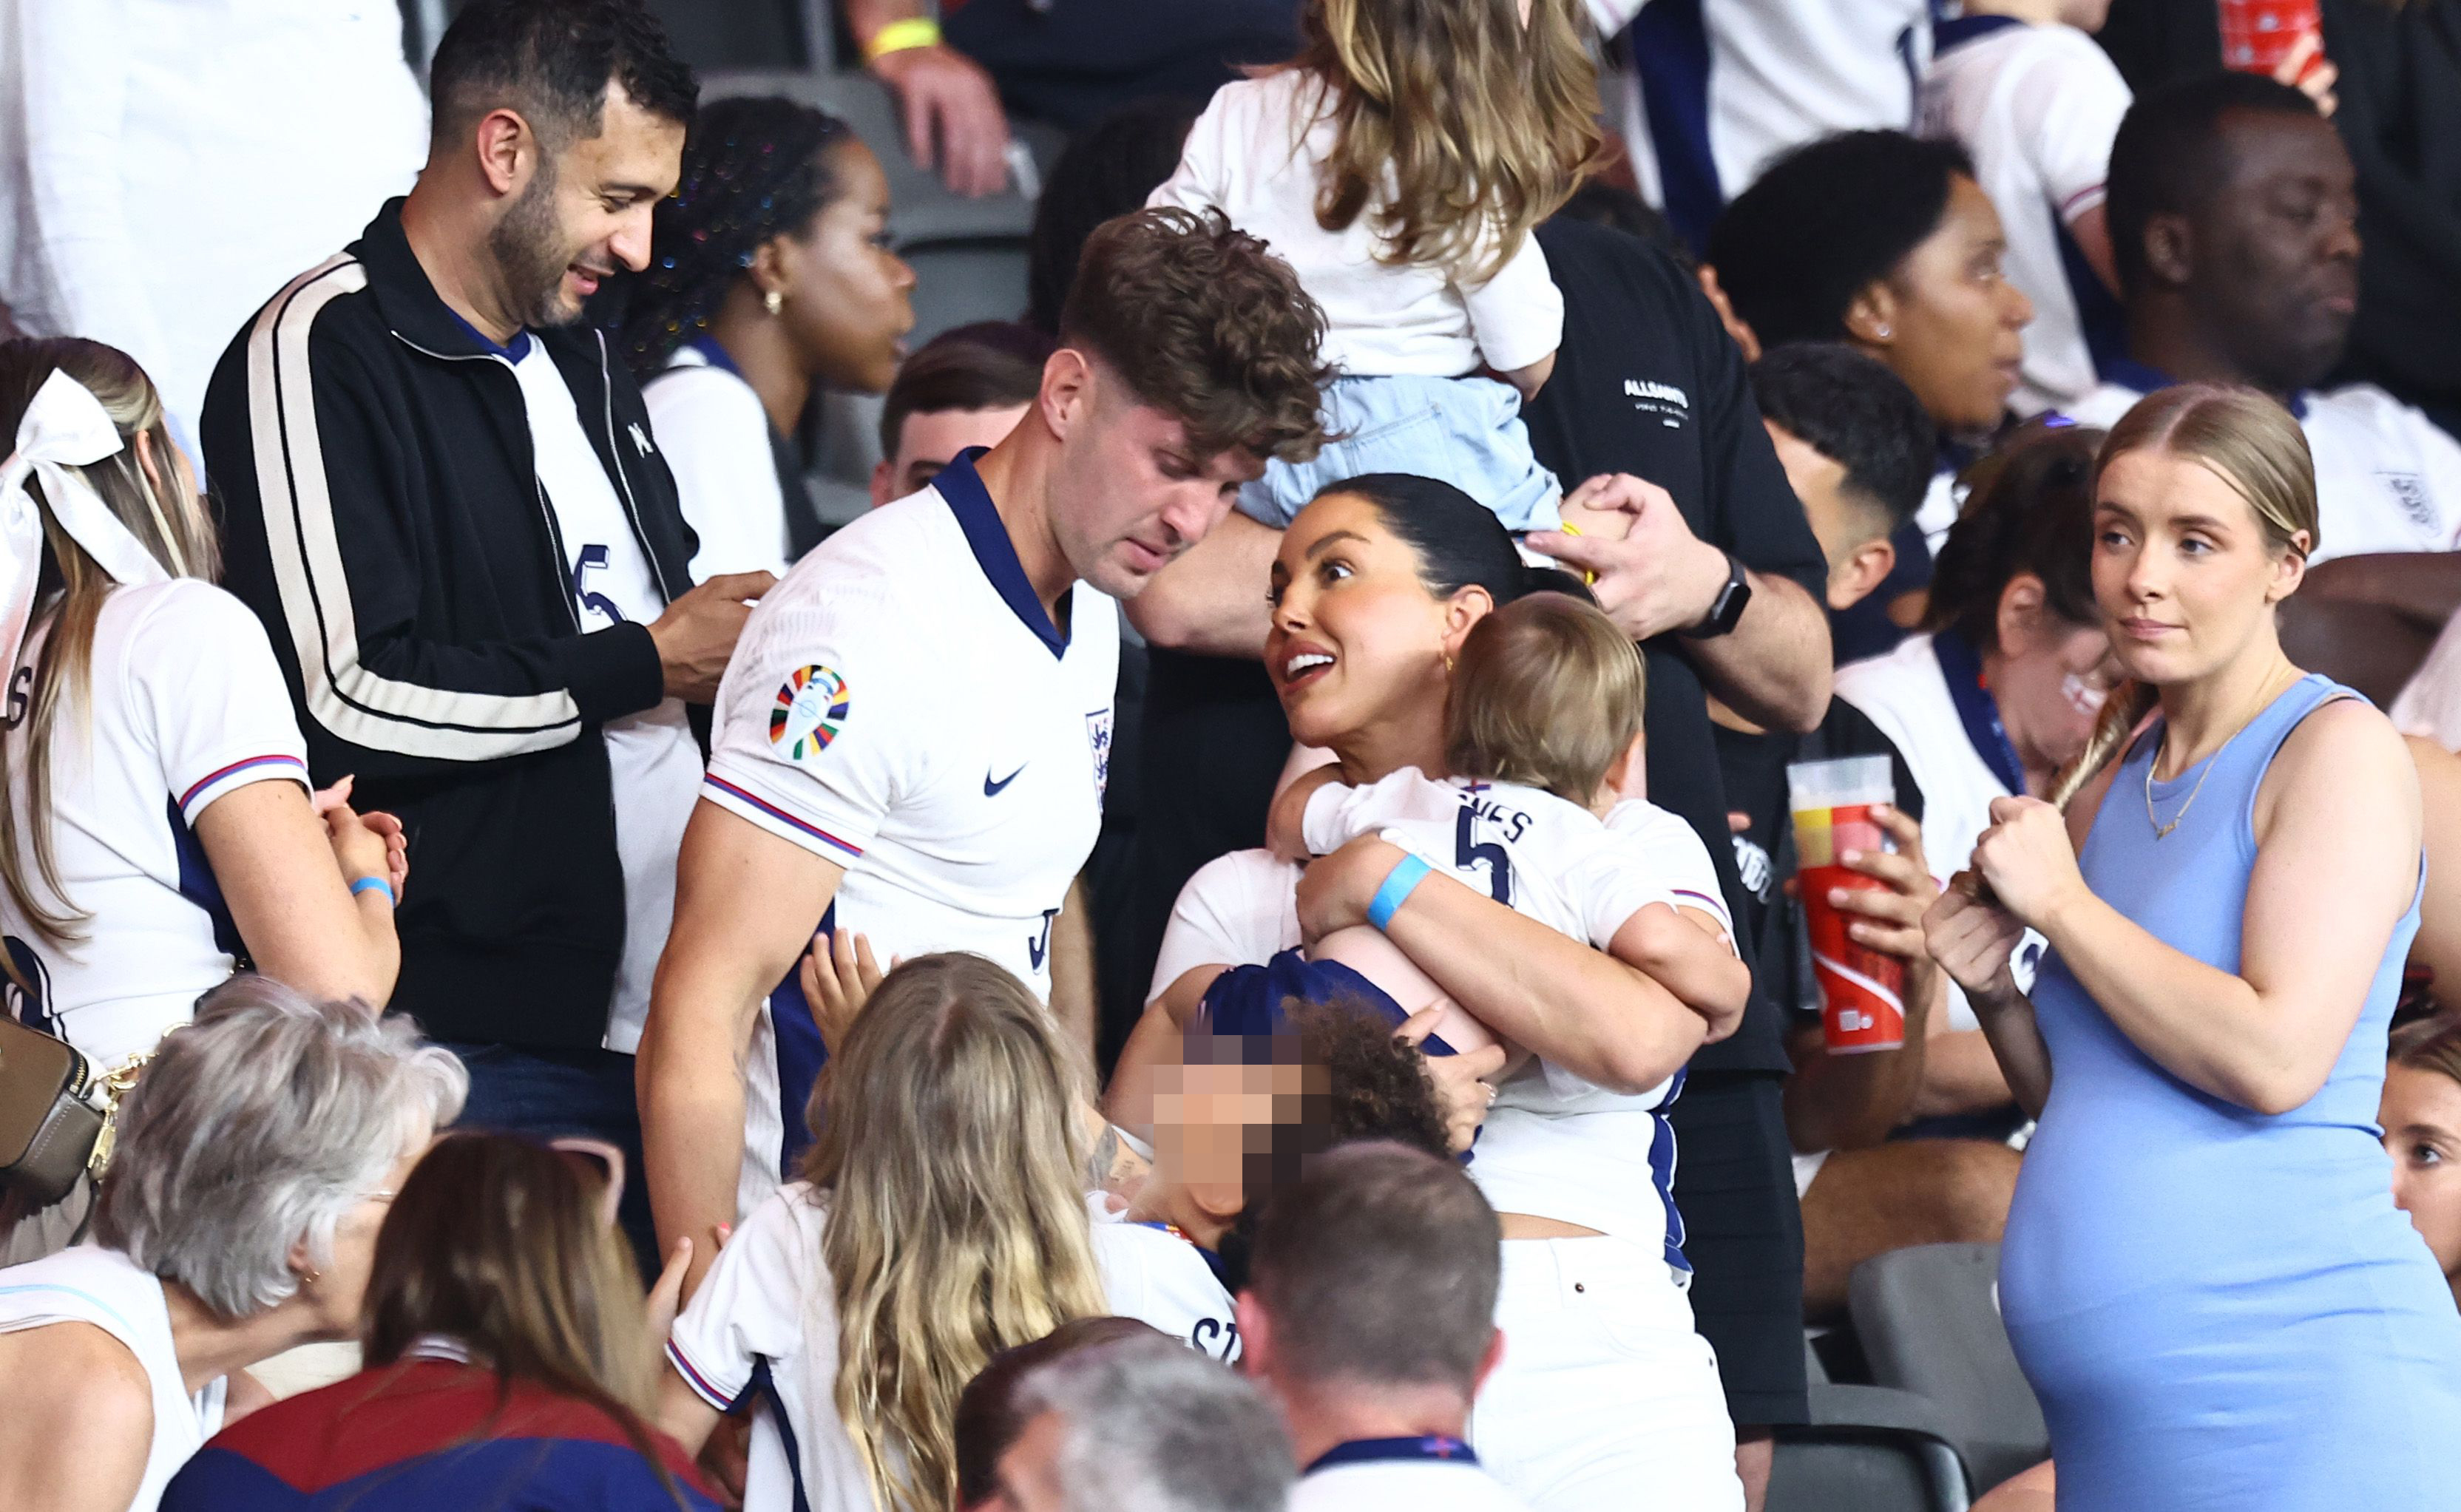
(375, 884)
(1398, 885)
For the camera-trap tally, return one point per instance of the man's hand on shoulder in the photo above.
(696, 636)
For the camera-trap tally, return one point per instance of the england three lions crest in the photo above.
(1098, 734)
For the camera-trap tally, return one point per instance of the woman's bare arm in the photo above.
(1538, 988)
(274, 859)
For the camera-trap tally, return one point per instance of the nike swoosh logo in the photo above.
(992, 789)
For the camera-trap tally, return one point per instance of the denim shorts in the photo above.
(1466, 431)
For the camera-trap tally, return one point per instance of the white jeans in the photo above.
(1606, 1398)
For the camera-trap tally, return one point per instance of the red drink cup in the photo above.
(1862, 991)
(2258, 34)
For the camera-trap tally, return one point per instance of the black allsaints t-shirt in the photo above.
(1647, 382)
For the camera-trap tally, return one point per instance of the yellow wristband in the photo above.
(1571, 529)
(899, 37)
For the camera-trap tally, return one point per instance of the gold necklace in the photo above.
(2162, 831)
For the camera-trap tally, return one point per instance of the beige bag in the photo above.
(48, 1129)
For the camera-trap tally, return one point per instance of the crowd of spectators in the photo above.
(1240, 939)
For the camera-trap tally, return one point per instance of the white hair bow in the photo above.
(65, 426)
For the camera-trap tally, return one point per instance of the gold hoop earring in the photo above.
(1449, 663)
(773, 300)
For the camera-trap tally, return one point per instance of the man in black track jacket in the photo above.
(442, 497)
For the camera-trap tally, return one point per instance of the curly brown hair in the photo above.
(1204, 322)
(1377, 1087)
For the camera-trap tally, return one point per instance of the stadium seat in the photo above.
(1867, 1449)
(1928, 1321)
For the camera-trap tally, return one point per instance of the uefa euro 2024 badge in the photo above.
(809, 711)
(1098, 733)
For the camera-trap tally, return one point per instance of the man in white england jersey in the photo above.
(2233, 223)
(913, 739)
(1370, 1321)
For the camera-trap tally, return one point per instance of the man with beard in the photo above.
(443, 499)
(2233, 225)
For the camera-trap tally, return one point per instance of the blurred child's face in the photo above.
(1221, 1125)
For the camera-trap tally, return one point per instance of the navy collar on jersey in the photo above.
(1432, 1448)
(2144, 378)
(716, 355)
(1213, 1260)
(1957, 30)
(513, 351)
(993, 552)
(1960, 666)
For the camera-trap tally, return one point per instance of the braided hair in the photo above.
(754, 168)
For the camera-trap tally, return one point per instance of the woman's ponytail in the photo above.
(2126, 707)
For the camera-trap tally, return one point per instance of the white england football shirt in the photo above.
(901, 705)
(763, 1332)
(1155, 1275)
(1554, 1145)
(651, 756)
(2037, 106)
(185, 704)
(2387, 479)
(1719, 87)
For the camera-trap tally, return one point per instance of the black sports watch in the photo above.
(1726, 609)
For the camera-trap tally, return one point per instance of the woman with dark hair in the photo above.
(507, 1353)
(1886, 242)
(2000, 692)
(1608, 1393)
(2205, 1277)
(770, 274)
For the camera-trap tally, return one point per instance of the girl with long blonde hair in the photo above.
(157, 829)
(2204, 1275)
(941, 1218)
(1399, 164)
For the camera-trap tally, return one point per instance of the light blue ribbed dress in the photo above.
(2221, 1309)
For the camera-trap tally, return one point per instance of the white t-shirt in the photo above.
(653, 762)
(1253, 155)
(2037, 106)
(762, 1331)
(92, 1284)
(2387, 479)
(901, 706)
(187, 704)
(1523, 846)
(767, 1300)
(1906, 694)
(1554, 1145)
(1748, 79)
(1420, 1485)
(716, 434)
(1156, 1274)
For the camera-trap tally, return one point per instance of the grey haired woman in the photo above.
(238, 1219)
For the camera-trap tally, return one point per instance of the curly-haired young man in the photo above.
(913, 739)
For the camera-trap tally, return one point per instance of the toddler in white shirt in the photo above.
(1543, 729)
(1398, 166)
